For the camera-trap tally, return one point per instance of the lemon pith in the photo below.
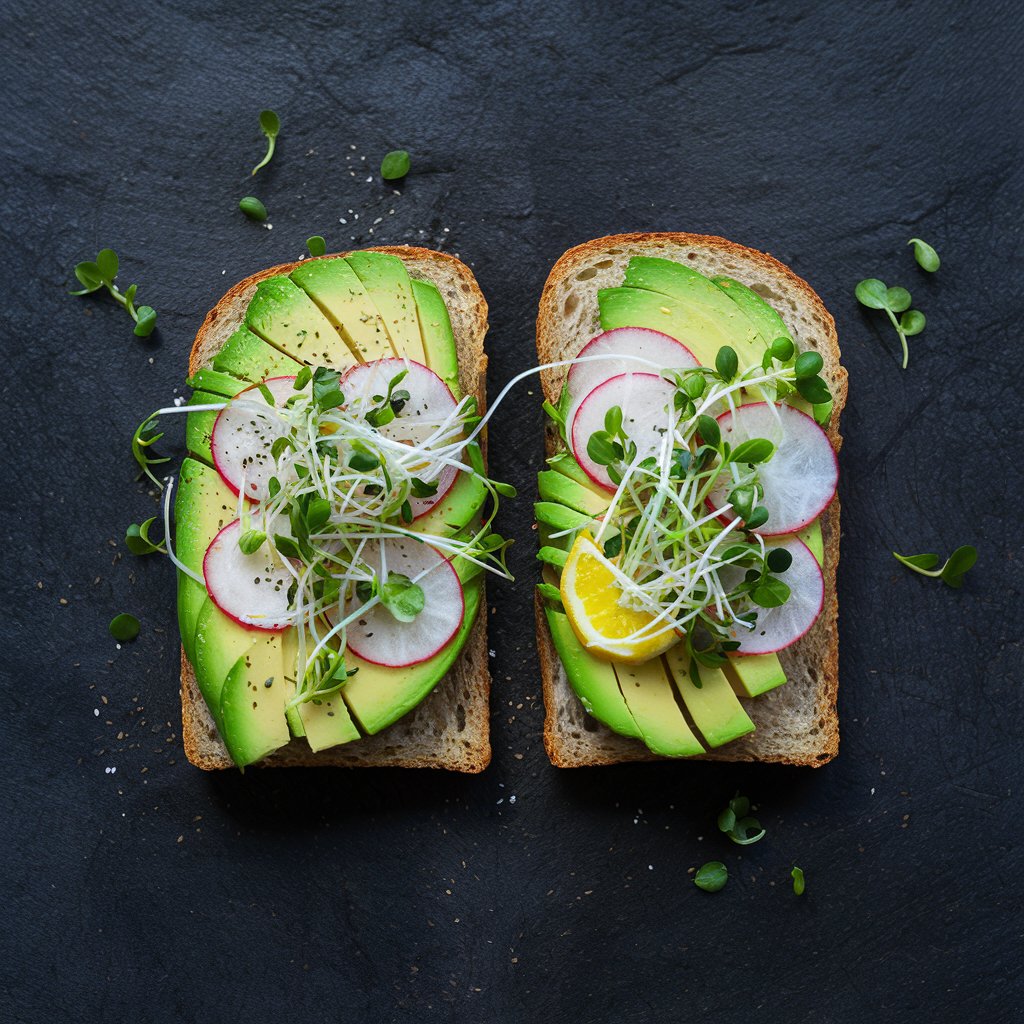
(590, 596)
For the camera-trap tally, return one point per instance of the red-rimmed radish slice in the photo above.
(623, 342)
(251, 589)
(646, 403)
(243, 434)
(778, 628)
(799, 480)
(430, 402)
(378, 636)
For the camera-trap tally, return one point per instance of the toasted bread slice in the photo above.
(449, 729)
(796, 723)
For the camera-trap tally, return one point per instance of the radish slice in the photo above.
(379, 637)
(645, 400)
(251, 589)
(623, 342)
(800, 479)
(778, 628)
(243, 434)
(430, 403)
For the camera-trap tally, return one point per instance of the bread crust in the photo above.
(463, 694)
(566, 748)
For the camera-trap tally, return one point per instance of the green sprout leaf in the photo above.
(782, 349)
(770, 593)
(138, 541)
(912, 322)
(709, 431)
(252, 208)
(753, 451)
(872, 293)
(395, 165)
(711, 876)
(107, 264)
(757, 518)
(88, 275)
(798, 880)
(302, 378)
(736, 823)
(146, 322)
(953, 569)
(726, 363)
(124, 627)
(808, 364)
(316, 245)
(270, 125)
(403, 598)
(927, 258)
(100, 273)
(251, 541)
(897, 299)
(814, 389)
(145, 436)
(779, 560)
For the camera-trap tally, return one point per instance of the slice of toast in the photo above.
(797, 722)
(449, 729)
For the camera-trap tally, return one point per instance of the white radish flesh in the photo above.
(378, 637)
(778, 628)
(799, 480)
(646, 403)
(623, 343)
(244, 433)
(430, 403)
(251, 589)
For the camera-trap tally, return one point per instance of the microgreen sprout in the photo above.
(100, 273)
(736, 823)
(124, 627)
(797, 875)
(953, 569)
(672, 556)
(138, 540)
(711, 876)
(927, 258)
(253, 208)
(270, 125)
(316, 245)
(874, 294)
(145, 436)
(395, 165)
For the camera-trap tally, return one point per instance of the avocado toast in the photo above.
(701, 311)
(402, 330)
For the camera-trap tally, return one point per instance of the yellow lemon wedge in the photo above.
(590, 595)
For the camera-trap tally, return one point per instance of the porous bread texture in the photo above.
(795, 723)
(450, 728)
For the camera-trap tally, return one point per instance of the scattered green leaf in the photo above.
(395, 165)
(100, 273)
(316, 245)
(270, 125)
(253, 208)
(876, 295)
(403, 598)
(798, 880)
(927, 258)
(711, 876)
(138, 541)
(124, 627)
(952, 571)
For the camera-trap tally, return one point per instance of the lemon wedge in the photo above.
(590, 596)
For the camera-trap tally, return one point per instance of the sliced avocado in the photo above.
(456, 509)
(701, 330)
(253, 698)
(282, 314)
(765, 319)
(251, 359)
(560, 517)
(565, 464)
(555, 486)
(436, 330)
(755, 673)
(326, 722)
(714, 707)
(216, 382)
(219, 643)
(199, 425)
(556, 557)
(648, 693)
(811, 536)
(333, 285)
(592, 679)
(387, 282)
(298, 730)
(203, 505)
(378, 696)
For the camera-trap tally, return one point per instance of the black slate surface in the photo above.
(826, 134)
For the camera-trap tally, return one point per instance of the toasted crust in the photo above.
(796, 723)
(450, 728)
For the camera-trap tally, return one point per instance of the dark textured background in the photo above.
(826, 134)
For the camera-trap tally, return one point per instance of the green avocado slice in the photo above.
(560, 517)
(714, 707)
(702, 330)
(203, 505)
(251, 359)
(457, 509)
(199, 426)
(387, 282)
(377, 696)
(283, 315)
(556, 487)
(592, 679)
(648, 693)
(216, 382)
(333, 285)
(436, 331)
